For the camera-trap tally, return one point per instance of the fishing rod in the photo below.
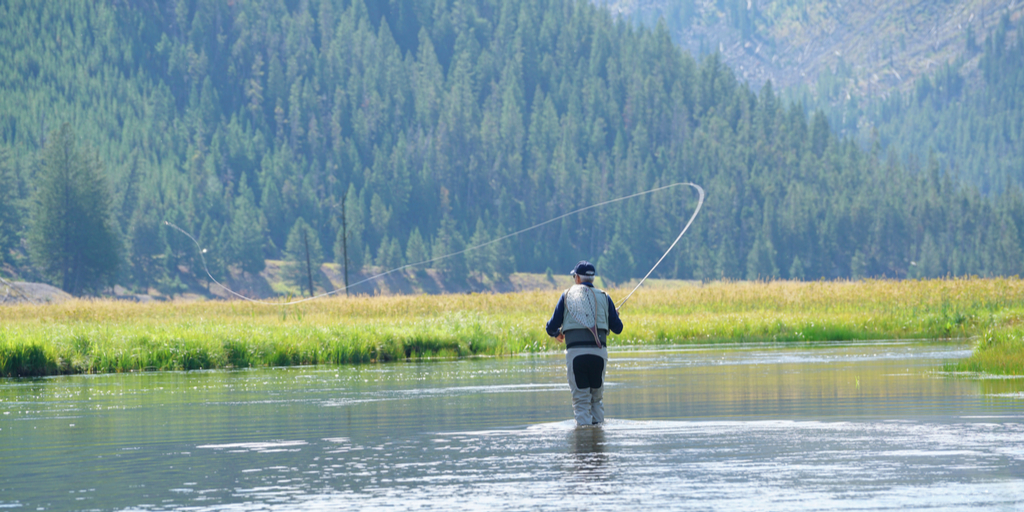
(700, 202)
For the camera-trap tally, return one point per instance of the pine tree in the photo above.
(504, 257)
(389, 255)
(72, 238)
(929, 263)
(858, 265)
(147, 246)
(416, 250)
(380, 216)
(796, 270)
(480, 259)
(1007, 256)
(247, 232)
(616, 263)
(170, 283)
(349, 239)
(10, 218)
(303, 257)
(760, 260)
(448, 242)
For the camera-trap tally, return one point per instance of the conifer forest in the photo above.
(387, 132)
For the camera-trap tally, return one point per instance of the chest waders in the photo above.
(586, 308)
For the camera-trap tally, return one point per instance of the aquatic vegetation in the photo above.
(999, 351)
(88, 336)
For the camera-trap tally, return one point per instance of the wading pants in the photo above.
(585, 369)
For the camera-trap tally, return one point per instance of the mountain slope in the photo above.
(883, 45)
(405, 131)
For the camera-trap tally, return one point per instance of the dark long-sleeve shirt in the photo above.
(555, 324)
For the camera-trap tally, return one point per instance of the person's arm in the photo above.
(614, 322)
(554, 326)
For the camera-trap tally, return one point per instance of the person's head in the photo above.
(584, 272)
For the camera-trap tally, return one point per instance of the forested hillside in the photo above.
(416, 128)
(919, 75)
(970, 113)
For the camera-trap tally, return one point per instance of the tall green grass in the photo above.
(999, 351)
(93, 336)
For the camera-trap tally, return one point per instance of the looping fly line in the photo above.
(700, 202)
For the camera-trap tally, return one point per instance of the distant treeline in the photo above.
(405, 130)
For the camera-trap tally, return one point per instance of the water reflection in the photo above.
(774, 428)
(587, 446)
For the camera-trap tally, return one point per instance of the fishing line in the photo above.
(700, 202)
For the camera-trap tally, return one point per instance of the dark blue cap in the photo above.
(585, 269)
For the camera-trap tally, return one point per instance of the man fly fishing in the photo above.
(582, 319)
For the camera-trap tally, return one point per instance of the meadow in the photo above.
(99, 336)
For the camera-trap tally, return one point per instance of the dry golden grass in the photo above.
(104, 335)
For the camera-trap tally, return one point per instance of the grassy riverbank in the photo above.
(82, 336)
(999, 351)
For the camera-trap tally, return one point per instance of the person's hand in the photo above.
(560, 338)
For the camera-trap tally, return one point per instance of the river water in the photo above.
(836, 426)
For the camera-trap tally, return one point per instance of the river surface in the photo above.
(858, 426)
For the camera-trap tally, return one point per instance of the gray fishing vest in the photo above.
(601, 315)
